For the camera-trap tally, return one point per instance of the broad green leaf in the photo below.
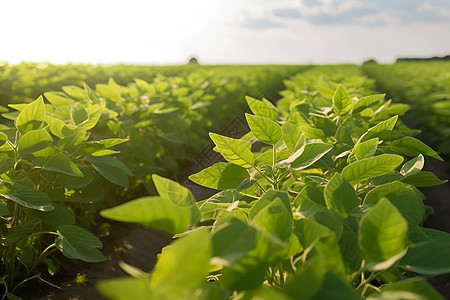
(58, 98)
(342, 103)
(383, 232)
(94, 117)
(4, 209)
(3, 138)
(416, 285)
(111, 168)
(27, 197)
(307, 155)
(308, 279)
(77, 243)
(263, 109)
(423, 179)
(74, 91)
(72, 140)
(154, 212)
(340, 196)
(90, 94)
(312, 132)
(413, 166)
(265, 130)
(78, 114)
(412, 147)
(235, 151)
(73, 182)
(58, 162)
(371, 167)
(335, 289)
(268, 198)
(18, 233)
(366, 149)
(232, 241)
(184, 264)
(6, 163)
(221, 176)
(128, 288)
(401, 196)
(275, 219)
(32, 116)
(291, 135)
(33, 141)
(421, 234)
(427, 258)
(56, 126)
(61, 215)
(312, 234)
(368, 101)
(177, 193)
(174, 191)
(381, 130)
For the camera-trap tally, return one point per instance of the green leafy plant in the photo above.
(52, 171)
(328, 208)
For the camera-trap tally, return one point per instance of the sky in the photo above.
(222, 32)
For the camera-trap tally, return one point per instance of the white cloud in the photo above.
(437, 11)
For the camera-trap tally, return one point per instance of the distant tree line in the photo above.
(447, 57)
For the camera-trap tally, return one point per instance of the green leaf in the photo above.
(335, 289)
(308, 279)
(74, 182)
(232, 241)
(265, 130)
(32, 116)
(174, 191)
(18, 233)
(154, 212)
(3, 138)
(307, 155)
(128, 288)
(6, 163)
(366, 149)
(58, 162)
(263, 109)
(111, 168)
(423, 179)
(27, 197)
(74, 91)
(291, 135)
(371, 167)
(58, 98)
(56, 126)
(413, 166)
(340, 196)
(177, 193)
(412, 147)
(427, 258)
(77, 243)
(381, 130)
(383, 232)
(235, 151)
(184, 264)
(33, 141)
(268, 198)
(417, 286)
(61, 215)
(368, 101)
(275, 219)
(342, 103)
(78, 114)
(221, 176)
(4, 209)
(403, 197)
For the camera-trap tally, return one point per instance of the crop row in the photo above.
(327, 208)
(70, 152)
(426, 87)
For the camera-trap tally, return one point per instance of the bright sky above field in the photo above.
(228, 31)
